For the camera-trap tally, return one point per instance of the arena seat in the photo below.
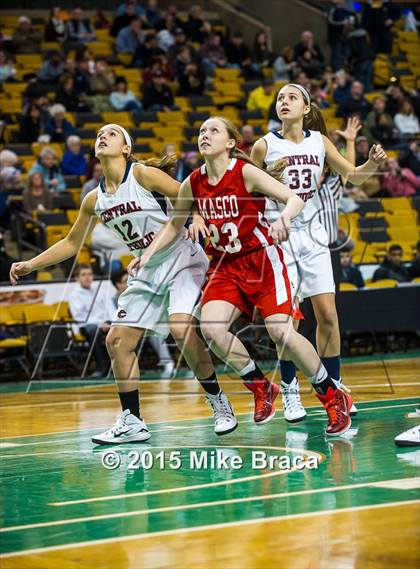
(383, 283)
(347, 286)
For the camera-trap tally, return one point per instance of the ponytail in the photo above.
(165, 163)
(314, 120)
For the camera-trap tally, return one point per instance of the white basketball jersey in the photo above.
(133, 214)
(302, 174)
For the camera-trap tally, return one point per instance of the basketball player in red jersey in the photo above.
(247, 268)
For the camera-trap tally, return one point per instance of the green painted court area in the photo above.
(57, 492)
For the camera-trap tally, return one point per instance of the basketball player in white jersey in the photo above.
(304, 146)
(160, 298)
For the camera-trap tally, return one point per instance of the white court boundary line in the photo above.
(154, 535)
(170, 428)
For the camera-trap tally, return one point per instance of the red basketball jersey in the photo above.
(234, 218)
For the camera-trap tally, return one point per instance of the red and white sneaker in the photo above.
(337, 405)
(265, 394)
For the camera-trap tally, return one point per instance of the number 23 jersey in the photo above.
(302, 174)
(234, 217)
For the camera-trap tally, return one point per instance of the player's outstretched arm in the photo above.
(355, 175)
(65, 248)
(256, 180)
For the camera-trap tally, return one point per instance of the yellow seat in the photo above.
(44, 276)
(382, 283)
(61, 311)
(16, 311)
(38, 313)
(9, 343)
(347, 286)
(124, 119)
(72, 215)
(126, 260)
(55, 233)
(6, 317)
(396, 204)
(416, 280)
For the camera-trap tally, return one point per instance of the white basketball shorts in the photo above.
(308, 261)
(171, 287)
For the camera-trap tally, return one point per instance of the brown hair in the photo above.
(81, 267)
(314, 120)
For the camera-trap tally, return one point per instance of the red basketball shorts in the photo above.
(257, 280)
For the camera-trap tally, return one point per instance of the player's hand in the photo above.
(134, 266)
(377, 154)
(352, 128)
(19, 270)
(280, 229)
(195, 229)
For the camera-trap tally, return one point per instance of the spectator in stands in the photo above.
(152, 14)
(67, 97)
(337, 19)
(172, 11)
(93, 310)
(262, 56)
(188, 163)
(93, 182)
(130, 37)
(7, 69)
(47, 166)
(399, 181)
(308, 54)
(25, 38)
(52, 68)
(392, 266)
(158, 96)
(378, 108)
(180, 43)
(123, 20)
(30, 124)
(395, 94)
(362, 150)
(36, 196)
(213, 55)
(79, 29)
(138, 8)
(355, 102)
(284, 65)
(191, 81)
(102, 81)
(410, 157)
(74, 161)
(239, 55)
(58, 127)
(56, 29)
(147, 51)
(383, 132)
(361, 53)
(248, 138)
(122, 99)
(342, 85)
(9, 173)
(261, 97)
(405, 120)
(85, 65)
(414, 268)
(377, 19)
(194, 23)
(350, 273)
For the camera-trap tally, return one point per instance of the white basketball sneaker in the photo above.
(340, 385)
(127, 429)
(293, 408)
(410, 438)
(224, 418)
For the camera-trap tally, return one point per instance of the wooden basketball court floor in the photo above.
(63, 509)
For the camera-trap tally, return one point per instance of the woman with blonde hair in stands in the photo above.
(160, 298)
(247, 270)
(302, 146)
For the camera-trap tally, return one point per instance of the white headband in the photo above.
(302, 90)
(124, 133)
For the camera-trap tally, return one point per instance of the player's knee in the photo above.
(179, 332)
(117, 343)
(329, 318)
(279, 336)
(210, 331)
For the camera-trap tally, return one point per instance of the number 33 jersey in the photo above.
(132, 213)
(234, 217)
(302, 173)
